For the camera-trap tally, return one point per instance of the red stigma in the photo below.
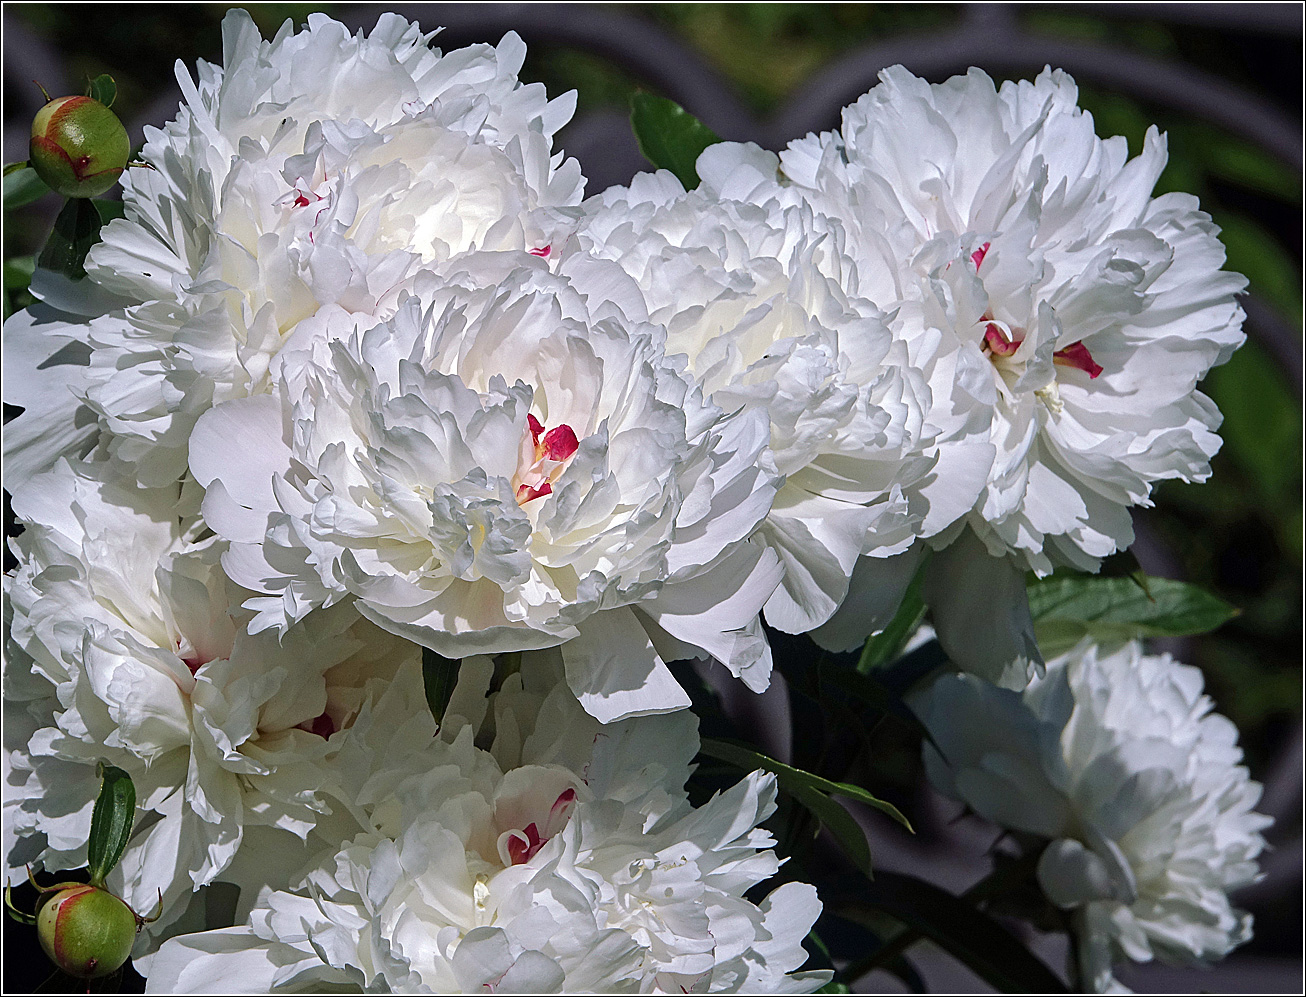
(563, 801)
(1076, 355)
(523, 849)
(560, 443)
(977, 257)
(526, 492)
(550, 450)
(323, 726)
(998, 344)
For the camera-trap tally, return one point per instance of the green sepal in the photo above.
(21, 916)
(104, 89)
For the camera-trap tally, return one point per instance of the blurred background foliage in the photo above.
(1240, 534)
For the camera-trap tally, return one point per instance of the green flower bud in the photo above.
(78, 147)
(87, 932)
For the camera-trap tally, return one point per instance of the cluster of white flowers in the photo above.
(127, 646)
(1117, 760)
(562, 855)
(1060, 314)
(359, 374)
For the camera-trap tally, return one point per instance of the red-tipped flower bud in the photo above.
(87, 932)
(79, 147)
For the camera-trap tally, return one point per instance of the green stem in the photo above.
(1075, 967)
(998, 881)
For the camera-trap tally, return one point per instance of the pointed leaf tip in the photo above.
(439, 676)
(669, 136)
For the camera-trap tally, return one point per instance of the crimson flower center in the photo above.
(523, 845)
(1002, 340)
(193, 659)
(323, 726)
(542, 459)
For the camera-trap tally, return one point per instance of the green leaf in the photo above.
(812, 791)
(109, 210)
(111, 822)
(837, 821)
(439, 675)
(103, 89)
(970, 936)
(76, 230)
(833, 987)
(17, 277)
(885, 646)
(18, 272)
(22, 186)
(788, 776)
(1110, 610)
(1121, 564)
(817, 943)
(669, 136)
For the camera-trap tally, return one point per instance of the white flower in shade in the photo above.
(1070, 313)
(751, 295)
(502, 466)
(559, 855)
(127, 646)
(314, 169)
(1119, 761)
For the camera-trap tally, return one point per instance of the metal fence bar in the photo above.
(990, 37)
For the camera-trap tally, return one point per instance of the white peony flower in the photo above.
(503, 466)
(751, 295)
(1117, 759)
(315, 169)
(557, 855)
(1062, 314)
(127, 646)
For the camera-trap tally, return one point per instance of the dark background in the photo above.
(1223, 80)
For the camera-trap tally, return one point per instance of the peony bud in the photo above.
(87, 932)
(79, 147)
